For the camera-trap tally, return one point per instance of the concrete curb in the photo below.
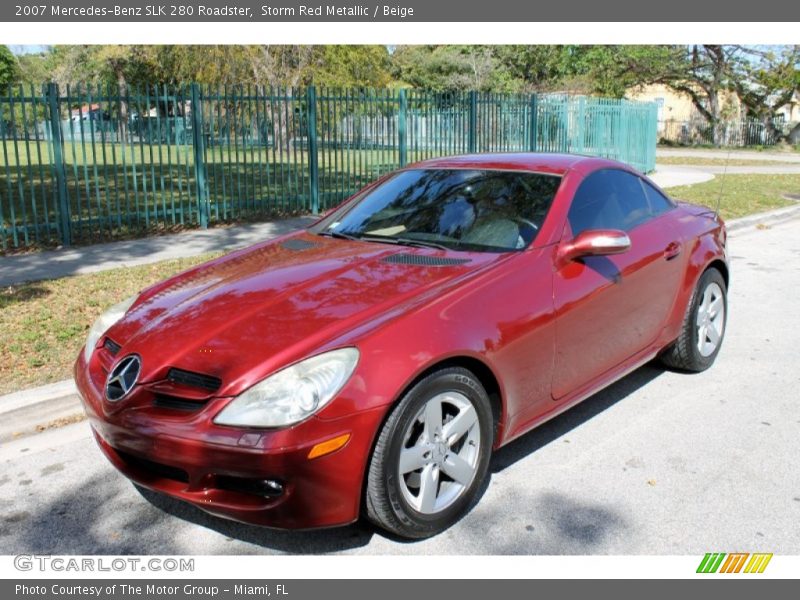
(25, 412)
(24, 398)
(771, 217)
(34, 410)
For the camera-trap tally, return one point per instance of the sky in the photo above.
(32, 49)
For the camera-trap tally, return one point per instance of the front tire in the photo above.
(703, 328)
(431, 456)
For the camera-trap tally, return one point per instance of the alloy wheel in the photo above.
(710, 320)
(440, 453)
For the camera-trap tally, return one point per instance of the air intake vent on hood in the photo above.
(297, 244)
(206, 382)
(424, 260)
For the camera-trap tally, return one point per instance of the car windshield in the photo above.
(456, 209)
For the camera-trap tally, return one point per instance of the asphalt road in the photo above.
(660, 463)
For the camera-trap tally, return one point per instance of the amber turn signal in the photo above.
(328, 446)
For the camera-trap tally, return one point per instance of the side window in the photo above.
(608, 199)
(659, 203)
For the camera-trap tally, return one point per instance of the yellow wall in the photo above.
(674, 105)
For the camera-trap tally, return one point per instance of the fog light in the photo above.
(328, 446)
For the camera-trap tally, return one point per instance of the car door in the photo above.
(608, 308)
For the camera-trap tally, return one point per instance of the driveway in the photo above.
(660, 463)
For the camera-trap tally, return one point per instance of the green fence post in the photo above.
(57, 142)
(198, 140)
(534, 122)
(473, 122)
(313, 151)
(402, 141)
(652, 126)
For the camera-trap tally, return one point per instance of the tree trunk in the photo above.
(771, 129)
(716, 122)
(122, 84)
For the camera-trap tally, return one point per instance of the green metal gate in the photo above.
(85, 164)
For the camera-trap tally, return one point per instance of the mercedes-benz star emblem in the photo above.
(123, 377)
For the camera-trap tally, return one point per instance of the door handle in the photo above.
(672, 250)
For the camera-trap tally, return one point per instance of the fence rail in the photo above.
(731, 132)
(85, 164)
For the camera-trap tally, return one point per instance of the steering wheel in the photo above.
(527, 222)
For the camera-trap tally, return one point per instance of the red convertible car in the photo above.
(371, 363)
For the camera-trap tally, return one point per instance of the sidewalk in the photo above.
(668, 176)
(52, 264)
(787, 169)
(787, 157)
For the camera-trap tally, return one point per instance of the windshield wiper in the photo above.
(339, 235)
(421, 243)
(403, 241)
(384, 239)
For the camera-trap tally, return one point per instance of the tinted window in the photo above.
(659, 203)
(455, 208)
(609, 199)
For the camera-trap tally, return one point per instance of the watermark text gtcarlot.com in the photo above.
(119, 564)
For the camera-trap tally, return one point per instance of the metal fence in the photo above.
(731, 132)
(86, 164)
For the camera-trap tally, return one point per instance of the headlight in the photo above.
(104, 323)
(292, 394)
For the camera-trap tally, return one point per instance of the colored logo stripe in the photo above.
(734, 562)
(758, 563)
(711, 562)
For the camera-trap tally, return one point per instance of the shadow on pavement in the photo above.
(557, 427)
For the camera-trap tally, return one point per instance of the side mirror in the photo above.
(594, 242)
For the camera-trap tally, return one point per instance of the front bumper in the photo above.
(262, 477)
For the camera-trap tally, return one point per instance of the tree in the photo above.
(351, 66)
(613, 70)
(768, 78)
(9, 69)
(34, 69)
(703, 73)
(452, 68)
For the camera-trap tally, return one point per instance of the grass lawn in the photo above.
(44, 324)
(741, 194)
(720, 162)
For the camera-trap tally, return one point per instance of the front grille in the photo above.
(198, 380)
(424, 260)
(112, 346)
(154, 468)
(175, 403)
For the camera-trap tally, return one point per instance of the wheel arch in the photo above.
(720, 266)
(485, 375)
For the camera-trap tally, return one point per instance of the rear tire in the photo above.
(703, 327)
(431, 455)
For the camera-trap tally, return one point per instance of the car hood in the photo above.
(247, 314)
